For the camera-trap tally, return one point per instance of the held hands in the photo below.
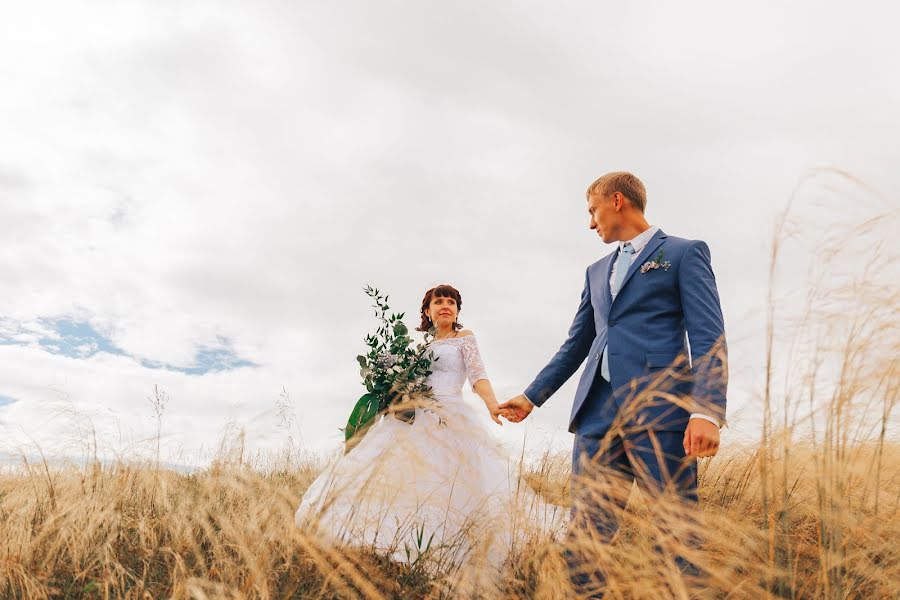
(483, 388)
(701, 439)
(496, 413)
(517, 409)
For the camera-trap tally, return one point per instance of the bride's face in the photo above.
(442, 311)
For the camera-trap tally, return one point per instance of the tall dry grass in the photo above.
(133, 531)
(810, 511)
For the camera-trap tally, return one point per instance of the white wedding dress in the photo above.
(441, 488)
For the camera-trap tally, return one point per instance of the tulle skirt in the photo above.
(441, 490)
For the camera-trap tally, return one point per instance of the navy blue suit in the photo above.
(632, 426)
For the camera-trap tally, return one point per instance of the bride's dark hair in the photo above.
(441, 291)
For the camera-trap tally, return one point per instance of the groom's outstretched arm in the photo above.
(570, 355)
(706, 330)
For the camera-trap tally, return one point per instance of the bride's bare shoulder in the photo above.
(466, 333)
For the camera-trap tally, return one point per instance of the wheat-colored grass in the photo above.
(133, 531)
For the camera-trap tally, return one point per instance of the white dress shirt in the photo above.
(638, 243)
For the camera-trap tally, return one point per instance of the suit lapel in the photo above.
(652, 246)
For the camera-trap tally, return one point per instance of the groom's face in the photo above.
(604, 216)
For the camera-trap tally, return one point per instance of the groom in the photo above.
(652, 396)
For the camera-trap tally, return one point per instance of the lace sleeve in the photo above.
(475, 370)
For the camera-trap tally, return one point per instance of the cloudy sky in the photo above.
(193, 194)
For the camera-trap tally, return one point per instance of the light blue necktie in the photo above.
(623, 263)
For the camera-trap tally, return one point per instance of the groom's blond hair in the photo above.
(623, 182)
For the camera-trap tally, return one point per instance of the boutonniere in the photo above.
(656, 263)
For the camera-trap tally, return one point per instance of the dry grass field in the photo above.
(827, 529)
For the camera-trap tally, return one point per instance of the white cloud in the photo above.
(175, 173)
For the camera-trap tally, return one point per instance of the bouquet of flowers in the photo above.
(393, 371)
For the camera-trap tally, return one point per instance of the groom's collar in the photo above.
(639, 241)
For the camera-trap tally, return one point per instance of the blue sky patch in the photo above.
(207, 360)
(6, 400)
(79, 339)
(217, 359)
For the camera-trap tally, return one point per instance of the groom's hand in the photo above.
(517, 409)
(701, 439)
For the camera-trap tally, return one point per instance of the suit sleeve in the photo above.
(705, 327)
(570, 355)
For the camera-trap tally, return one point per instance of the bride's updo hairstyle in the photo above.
(441, 291)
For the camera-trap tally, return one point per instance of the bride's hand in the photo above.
(496, 412)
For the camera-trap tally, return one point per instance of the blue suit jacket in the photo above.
(645, 329)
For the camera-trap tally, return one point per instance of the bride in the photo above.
(441, 488)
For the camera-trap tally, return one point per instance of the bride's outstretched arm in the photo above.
(477, 376)
(484, 390)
